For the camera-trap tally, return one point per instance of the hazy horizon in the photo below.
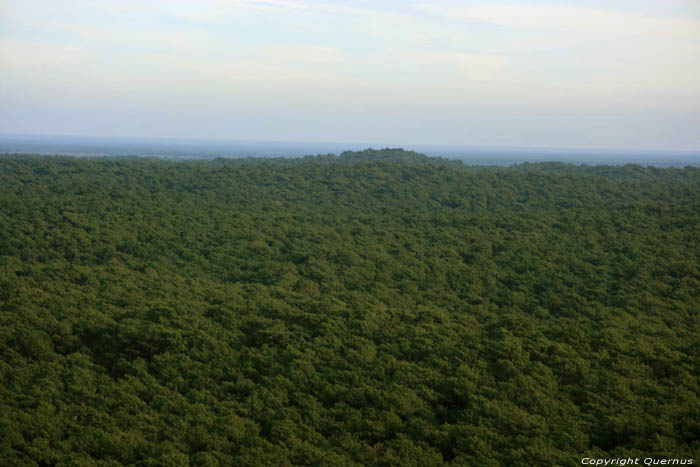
(192, 149)
(34, 137)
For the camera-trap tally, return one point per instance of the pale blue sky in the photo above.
(605, 74)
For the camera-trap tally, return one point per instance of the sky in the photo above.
(619, 74)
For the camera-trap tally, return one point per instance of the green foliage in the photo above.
(376, 308)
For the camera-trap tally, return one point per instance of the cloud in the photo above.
(301, 54)
(594, 51)
(571, 19)
(29, 55)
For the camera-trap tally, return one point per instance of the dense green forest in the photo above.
(374, 308)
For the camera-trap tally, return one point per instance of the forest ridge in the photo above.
(374, 308)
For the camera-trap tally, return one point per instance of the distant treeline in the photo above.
(373, 308)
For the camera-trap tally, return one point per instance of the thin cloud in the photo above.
(571, 19)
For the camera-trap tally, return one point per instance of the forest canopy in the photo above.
(373, 308)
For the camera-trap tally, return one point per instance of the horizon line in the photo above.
(368, 145)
